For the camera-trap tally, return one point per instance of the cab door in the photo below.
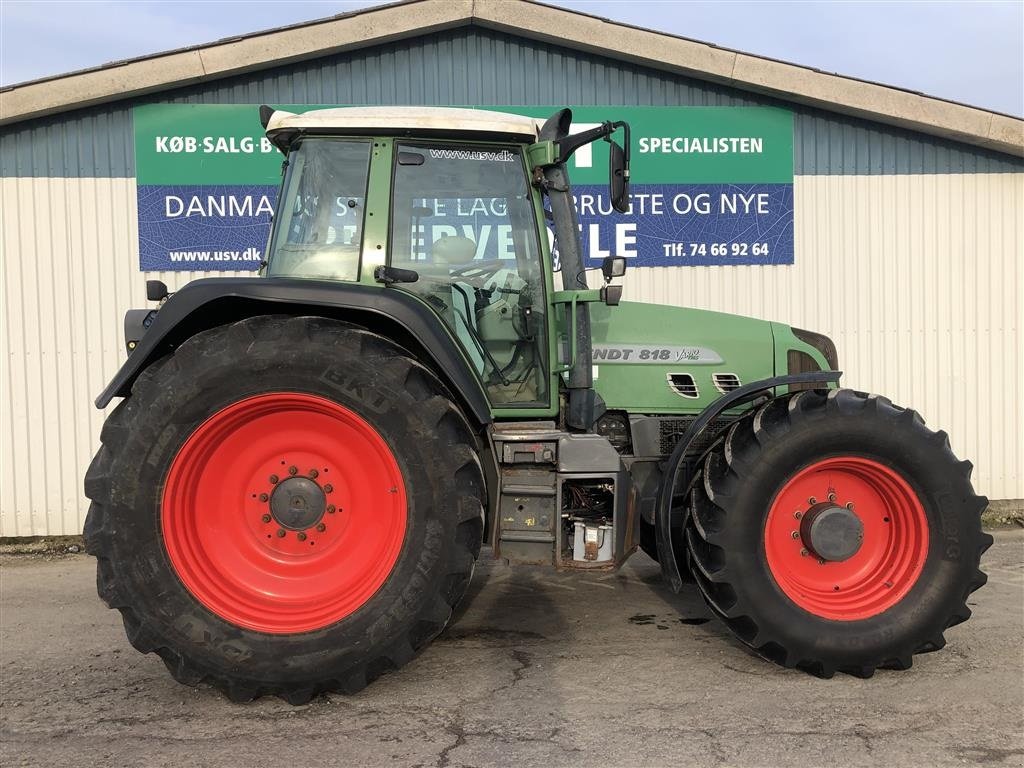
(464, 218)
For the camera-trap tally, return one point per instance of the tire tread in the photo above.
(714, 489)
(205, 351)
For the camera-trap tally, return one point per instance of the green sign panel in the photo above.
(711, 185)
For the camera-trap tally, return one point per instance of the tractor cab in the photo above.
(441, 203)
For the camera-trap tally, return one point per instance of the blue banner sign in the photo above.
(711, 186)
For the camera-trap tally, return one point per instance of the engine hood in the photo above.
(651, 358)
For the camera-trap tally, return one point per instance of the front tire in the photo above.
(899, 553)
(285, 506)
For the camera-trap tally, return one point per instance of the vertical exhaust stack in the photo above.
(585, 405)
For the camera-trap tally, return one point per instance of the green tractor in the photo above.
(294, 490)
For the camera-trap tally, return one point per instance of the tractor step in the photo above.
(561, 496)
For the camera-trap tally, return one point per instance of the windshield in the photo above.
(463, 219)
(318, 231)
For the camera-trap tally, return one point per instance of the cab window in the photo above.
(463, 220)
(319, 228)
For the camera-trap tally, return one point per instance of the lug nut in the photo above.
(280, 533)
(328, 488)
(330, 508)
(273, 479)
(798, 514)
(831, 497)
(293, 470)
(812, 500)
(321, 527)
(302, 536)
(313, 473)
(803, 553)
(821, 561)
(264, 497)
(266, 518)
(849, 505)
(795, 534)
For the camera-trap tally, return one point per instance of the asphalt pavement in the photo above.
(540, 669)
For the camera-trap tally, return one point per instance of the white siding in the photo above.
(68, 272)
(918, 279)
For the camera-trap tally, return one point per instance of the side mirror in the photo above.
(613, 266)
(618, 177)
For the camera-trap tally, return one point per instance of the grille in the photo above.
(671, 430)
(801, 362)
(726, 382)
(683, 385)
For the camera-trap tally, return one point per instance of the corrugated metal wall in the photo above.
(909, 252)
(475, 66)
(70, 271)
(919, 280)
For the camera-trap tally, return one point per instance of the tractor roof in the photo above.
(432, 121)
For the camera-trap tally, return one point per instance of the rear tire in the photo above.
(318, 572)
(908, 578)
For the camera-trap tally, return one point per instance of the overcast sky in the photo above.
(966, 51)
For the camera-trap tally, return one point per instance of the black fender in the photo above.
(678, 473)
(214, 301)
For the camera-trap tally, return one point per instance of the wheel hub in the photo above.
(298, 503)
(284, 512)
(831, 532)
(855, 553)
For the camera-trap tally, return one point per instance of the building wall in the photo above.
(909, 253)
(478, 67)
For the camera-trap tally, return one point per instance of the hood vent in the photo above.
(726, 382)
(683, 385)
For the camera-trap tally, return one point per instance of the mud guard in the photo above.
(676, 464)
(209, 302)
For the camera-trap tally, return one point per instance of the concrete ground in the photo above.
(540, 669)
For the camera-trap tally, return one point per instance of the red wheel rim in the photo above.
(264, 460)
(891, 555)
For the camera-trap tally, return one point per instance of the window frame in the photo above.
(537, 407)
(281, 205)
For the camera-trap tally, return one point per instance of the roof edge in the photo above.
(232, 56)
(571, 29)
(198, 46)
(771, 77)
